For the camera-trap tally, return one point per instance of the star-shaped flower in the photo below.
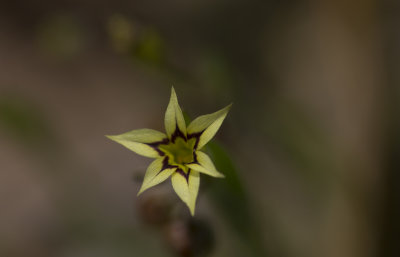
(177, 153)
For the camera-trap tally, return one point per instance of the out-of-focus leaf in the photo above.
(149, 48)
(301, 139)
(231, 199)
(122, 33)
(22, 121)
(61, 36)
(215, 74)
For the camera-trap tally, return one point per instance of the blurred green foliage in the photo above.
(22, 120)
(61, 36)
(122, 33)
(299, 138)
(231, 199)
(142, 43)
(150, 48)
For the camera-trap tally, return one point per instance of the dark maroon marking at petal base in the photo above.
(194, 159)
(156, 144)
(166, 165)
(197, 136)
(177, 133)
(185, 175)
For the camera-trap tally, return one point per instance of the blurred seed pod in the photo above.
(192, 237)
(154, 207)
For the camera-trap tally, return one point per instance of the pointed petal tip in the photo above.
(173, 116)
(219, 175)
(173, 93)
(111, 137)
(140, 191)
(191, 207)
(228, 107)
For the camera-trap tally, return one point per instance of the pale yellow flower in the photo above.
(177, 153)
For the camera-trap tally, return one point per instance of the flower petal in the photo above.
(173, 117)
(205, 165)
(155, 174)
(139, 140)
(206, 126)
(188, 189)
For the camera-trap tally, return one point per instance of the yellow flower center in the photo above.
(179, 152)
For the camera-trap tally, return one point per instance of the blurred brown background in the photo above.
(310, 149)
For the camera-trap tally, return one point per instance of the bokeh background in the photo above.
(310, 150)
